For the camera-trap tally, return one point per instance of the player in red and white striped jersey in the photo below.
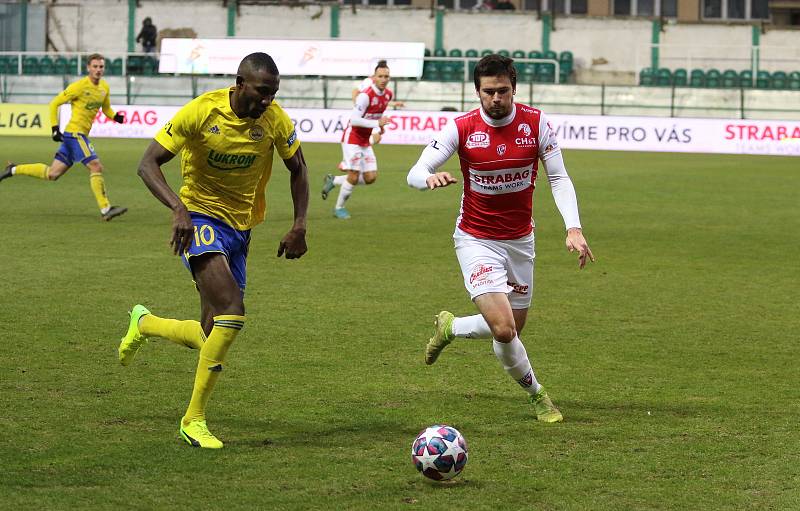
(499, 146)
(358, 157)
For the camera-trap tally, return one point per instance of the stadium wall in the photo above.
(610, 50)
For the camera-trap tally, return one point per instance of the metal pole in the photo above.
(23, 29)
(131, 25)
(672, 102)
(741, 102)
(603, 98)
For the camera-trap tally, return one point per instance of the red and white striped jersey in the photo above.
(499, 166)
(499, 163)
(369, 107)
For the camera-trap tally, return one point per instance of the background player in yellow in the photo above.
(86, 95)
(226, 139)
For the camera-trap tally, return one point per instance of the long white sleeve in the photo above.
(357, 114)
(560, 182)
(563, 191)
(442, 147)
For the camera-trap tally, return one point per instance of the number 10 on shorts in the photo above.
(203, 235)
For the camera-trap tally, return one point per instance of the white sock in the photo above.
(344, 194)
(13, 170)
(339, 180)
(515, 361)
(472, 327)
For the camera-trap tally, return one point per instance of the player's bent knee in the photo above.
(504, 334)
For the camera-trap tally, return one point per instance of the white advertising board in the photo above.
(293, 57)
(574, 131)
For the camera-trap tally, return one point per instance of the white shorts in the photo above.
(358, 158)
(497, 266)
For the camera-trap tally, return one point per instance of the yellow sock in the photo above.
(187, 333)
(212, 356)
(38, 170)
(98, 185)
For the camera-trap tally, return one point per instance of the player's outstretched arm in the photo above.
(150, 171)
(423, 175)
(294, 243)
(577, 243)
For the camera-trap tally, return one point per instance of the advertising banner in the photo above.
(24, 119)
(661, 134)
(293, 57)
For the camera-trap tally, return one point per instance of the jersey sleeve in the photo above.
(286, 141)
(359, 109)
(65, 96)
(548, 142)
(442, 147)
(182, 127)
(107, 110)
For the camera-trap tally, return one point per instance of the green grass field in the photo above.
(673, 358)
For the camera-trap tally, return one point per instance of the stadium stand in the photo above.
(714, 78)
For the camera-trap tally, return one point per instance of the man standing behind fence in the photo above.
(86, 96)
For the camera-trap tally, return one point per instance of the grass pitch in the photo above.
(673, 358)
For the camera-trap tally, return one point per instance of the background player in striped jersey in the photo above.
(358, 157)
(499, 146)
(86, 96)
(368, 82)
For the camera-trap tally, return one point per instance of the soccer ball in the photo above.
(439, 452)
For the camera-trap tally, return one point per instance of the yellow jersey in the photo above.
(86, 99)
(226, 161)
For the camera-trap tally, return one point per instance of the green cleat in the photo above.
(545, 410)
(441, 337)
(327, 186)
(133, 340)
(196, 434)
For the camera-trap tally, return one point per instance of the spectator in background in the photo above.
(504, 5)
(147, 36)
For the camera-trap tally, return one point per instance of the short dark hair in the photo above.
(94, 56)
(495, 65)
(381, 63)
(257, 62)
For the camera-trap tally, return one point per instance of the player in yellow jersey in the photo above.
(226, 138)
(86, 95)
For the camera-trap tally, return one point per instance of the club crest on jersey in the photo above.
(525, 129)
(214, 130)
(501, 149)
(477, 139)
(375, 100)
(257, 133)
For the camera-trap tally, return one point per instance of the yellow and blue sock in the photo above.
(209, 366)
(98, 185)
(37, 170)
(187, 333)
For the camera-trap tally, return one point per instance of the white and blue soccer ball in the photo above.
(439, 452)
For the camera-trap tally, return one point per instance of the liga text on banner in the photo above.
(18, 119)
